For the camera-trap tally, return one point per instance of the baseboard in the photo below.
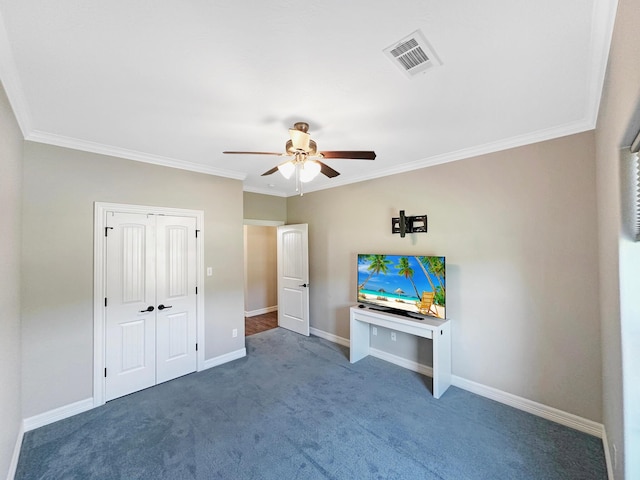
(402, 362)
(389, 357)
(67, 411)
(261, 311)
(563, 418)
(13, 466)
(227, 357)
(56, 414)
(330, 336)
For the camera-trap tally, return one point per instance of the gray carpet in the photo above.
(295, 408)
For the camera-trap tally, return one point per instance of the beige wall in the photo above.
(10, 199)
(60, 188)
(264, 207)
(518, 232)
(261, 278)
(618, 123)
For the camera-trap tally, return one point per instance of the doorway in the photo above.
(260, 323)
(287, 292)
(260, 289)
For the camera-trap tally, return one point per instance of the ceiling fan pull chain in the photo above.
(298, 182)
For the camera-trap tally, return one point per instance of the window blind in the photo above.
(637, 193)
(635, 149)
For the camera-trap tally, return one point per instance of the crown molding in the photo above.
(102, 149)
(266, 191)
(488, 148)
(603, 18)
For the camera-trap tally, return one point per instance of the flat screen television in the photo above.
(404, 284)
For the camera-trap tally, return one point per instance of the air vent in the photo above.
(412, 54)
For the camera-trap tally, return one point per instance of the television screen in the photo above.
(403, 283)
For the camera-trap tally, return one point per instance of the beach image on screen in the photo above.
(402, 282)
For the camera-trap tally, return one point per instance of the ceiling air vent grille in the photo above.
(412, 54)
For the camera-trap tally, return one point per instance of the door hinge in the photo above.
(196, 290)
(105, 373)
(196, 347)
(105, 301)
(106, 231)
(197, 231)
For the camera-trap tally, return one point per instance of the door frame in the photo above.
(258, 223)
(99, 284)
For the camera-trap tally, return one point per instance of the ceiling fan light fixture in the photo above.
(309, 169)
(287, 169)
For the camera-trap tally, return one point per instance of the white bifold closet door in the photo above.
(151, 300)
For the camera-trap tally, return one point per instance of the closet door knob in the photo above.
(149, 309)
(162, 307)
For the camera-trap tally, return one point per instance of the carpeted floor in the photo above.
(295, 408)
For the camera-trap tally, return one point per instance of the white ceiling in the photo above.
(177, 82)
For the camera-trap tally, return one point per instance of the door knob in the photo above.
(305, 285)
(149, 309)
(162, 307)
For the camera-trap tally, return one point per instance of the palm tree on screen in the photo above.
(437, 268)
(434, 266)
(425, 266)
(377, 264)
(406, 271)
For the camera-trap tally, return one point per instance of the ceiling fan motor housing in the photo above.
(311, 150)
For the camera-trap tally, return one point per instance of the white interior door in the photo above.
(130, 336)
(176, 297)
(293, 278)
(150, 317)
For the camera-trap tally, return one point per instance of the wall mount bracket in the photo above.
(408, 224)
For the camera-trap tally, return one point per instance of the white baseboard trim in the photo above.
(56, 414)
(260, 311)
(402, 362)
(227, 357)
(330, 336)
(563, 418)
(13, 466)
(66, 411)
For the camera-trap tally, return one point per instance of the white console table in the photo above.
(439, 331)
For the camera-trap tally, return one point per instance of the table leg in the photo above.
(359, 345)
(441, 360)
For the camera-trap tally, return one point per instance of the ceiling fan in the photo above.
(305, 162)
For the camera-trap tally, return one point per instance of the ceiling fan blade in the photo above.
(269, 172)
(257, 153)
(327, 170)
(349, 154)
